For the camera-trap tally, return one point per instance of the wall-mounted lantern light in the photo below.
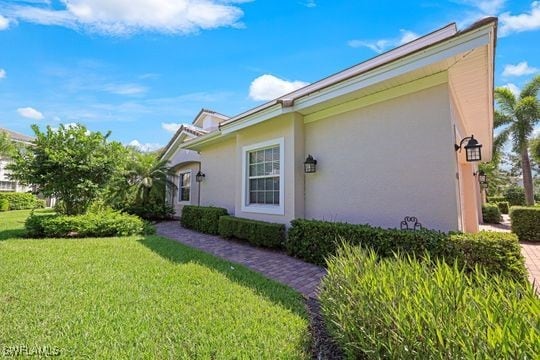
(472, 149)
(482, 179)
(310, 165)
(200, 176)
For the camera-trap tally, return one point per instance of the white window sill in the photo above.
(262, 209)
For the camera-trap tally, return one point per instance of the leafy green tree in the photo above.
(69, 163)
(517, 116)
(6, 144)
(535, 149)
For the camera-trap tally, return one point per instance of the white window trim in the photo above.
(262, 208)
(180, 189)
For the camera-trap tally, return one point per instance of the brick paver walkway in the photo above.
(531, 251)
(299, 275)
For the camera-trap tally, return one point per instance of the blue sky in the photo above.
(141, 67)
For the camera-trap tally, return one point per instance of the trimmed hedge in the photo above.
(526, 222)
(496, 252)
(4, 205)
(504, 207)
(400, 308)
(203, 219)
(21, 201)
(515, 195)
(104, 224)
(491, 214)
(258, 233)
(495, 199)
(315, 240)
(152, 211)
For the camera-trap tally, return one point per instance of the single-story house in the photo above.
(399, 135)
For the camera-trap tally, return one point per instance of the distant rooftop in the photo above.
(17, 136)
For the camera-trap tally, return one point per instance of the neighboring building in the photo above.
(382, 133)
(6, 184)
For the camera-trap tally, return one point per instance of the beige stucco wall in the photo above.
(193, 199)
(381, 163)
(290, 128)
(218, 163)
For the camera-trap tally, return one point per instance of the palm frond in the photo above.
(501, 119)
(506, 100)
(531, 88)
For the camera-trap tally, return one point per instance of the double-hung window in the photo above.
(184, 186)
(263, 177)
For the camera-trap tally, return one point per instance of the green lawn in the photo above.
(140, 297)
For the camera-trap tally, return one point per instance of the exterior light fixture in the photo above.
(472, 149)
(310, 165)
(482, 177)
(200, 176)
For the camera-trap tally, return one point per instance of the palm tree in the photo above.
(517, 116)
(150, 176)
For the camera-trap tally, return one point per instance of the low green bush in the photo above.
(526, 222)
(258, 233)
(495, 199)
(504, 207)
(315, 240)
(401, 308)
(21, 201)
(152, 211)
(203, 219)
(515, 195)
(104, 224)
(491, 214)
(4, 205)
(496, 252)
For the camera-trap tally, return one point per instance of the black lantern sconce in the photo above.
(482, 179)
(200, 176)
(472, 149)
(310, 165)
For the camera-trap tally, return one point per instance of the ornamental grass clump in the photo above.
(403, 308)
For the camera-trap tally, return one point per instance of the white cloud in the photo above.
(520, 69)
(30, 113)
(269, 87)
(521, 22)
(513, 88)
(124, 17)
(145, 146)
(382, 45)
(3, 74)
(125, 89)
(4, 23)
(171, 127)
(310, 3)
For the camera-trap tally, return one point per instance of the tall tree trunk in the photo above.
(527, 176)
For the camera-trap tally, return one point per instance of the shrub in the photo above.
(503, 207)
(4, 205)
(495, 199)
(515, 195)
(20, 201)
(314, 241)
(204, 219)
(89, 225)
(152, 211)
(34, 224)
(526, 222)
(491, 214)
(406, 309)
(496, 252)
(258, 233)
